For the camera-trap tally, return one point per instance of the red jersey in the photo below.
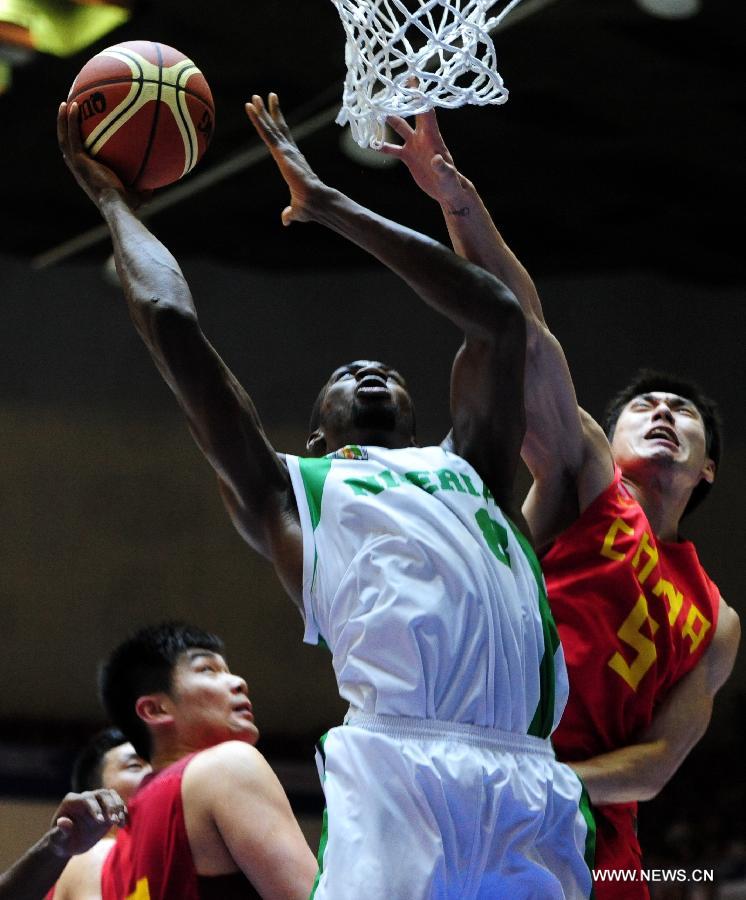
(634, 614)
(155, 863)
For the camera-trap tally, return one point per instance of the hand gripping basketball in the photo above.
(95, 178)
(303, 182)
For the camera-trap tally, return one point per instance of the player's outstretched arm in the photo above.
(487, 409)
(80, 821)
(221, 416)
(641, 770)
(567, 454)
(230, 790)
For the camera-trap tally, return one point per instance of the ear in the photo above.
(153, 709)
(316, 443)
(708, 471)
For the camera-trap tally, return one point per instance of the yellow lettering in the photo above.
(631, 634)
(142, 891)
(673, 598)
(695, 616)
(608, 548)
(652, 554)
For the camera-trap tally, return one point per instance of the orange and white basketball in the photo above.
(146, 112)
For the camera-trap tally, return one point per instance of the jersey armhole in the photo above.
(311, 631)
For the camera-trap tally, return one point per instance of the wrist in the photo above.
(110, 200)
(51, 844)
(321, 203)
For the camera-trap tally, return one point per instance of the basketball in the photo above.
(146, 111)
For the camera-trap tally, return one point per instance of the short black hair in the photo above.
(144, 664)
(646, 381)
(88, 764)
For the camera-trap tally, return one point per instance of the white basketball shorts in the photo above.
(426, 810)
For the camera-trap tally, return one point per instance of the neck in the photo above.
(388, 439)
(663, 501)
(165, 755)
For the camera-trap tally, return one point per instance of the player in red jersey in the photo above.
(213, 820)
(108, 761)
(648, 640)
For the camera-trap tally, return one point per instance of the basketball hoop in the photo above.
(407, 56)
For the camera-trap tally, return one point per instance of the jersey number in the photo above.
(630, 632)
(495, 535)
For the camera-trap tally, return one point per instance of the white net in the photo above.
(406, 56)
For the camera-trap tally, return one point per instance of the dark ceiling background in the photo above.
(621, 144)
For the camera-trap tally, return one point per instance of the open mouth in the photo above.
(662, 433)
(372, 386)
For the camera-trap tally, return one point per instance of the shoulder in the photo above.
(82, 875)
(227, 765)
(597, 468)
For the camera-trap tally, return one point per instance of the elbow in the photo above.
(162, 293)
(658, 771)
(650, 788)
(161, 318)
(541, 344)
(508, 319)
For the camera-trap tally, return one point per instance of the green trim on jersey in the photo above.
(543, 720)
(590, 836)
(313, 472)
(324, 824)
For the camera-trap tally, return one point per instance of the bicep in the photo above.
(274, 531)
(487, 406)
(568, 482)
(225, 425)
(683, 717)
(261, 834)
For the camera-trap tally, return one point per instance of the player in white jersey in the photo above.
(442, 783)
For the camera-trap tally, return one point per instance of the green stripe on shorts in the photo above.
(584, 804)
(324, 827)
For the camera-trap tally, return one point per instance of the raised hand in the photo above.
(81, 820)
(94, 177)
(305, 186)
(426, 156)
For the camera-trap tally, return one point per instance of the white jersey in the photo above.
(432, 603)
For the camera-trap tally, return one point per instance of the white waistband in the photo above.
(429, 729)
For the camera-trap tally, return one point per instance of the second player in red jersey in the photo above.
(213, 820)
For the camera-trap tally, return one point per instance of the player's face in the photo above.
(210, 704)
(367, 402)
(122, 770)
(666, 430)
